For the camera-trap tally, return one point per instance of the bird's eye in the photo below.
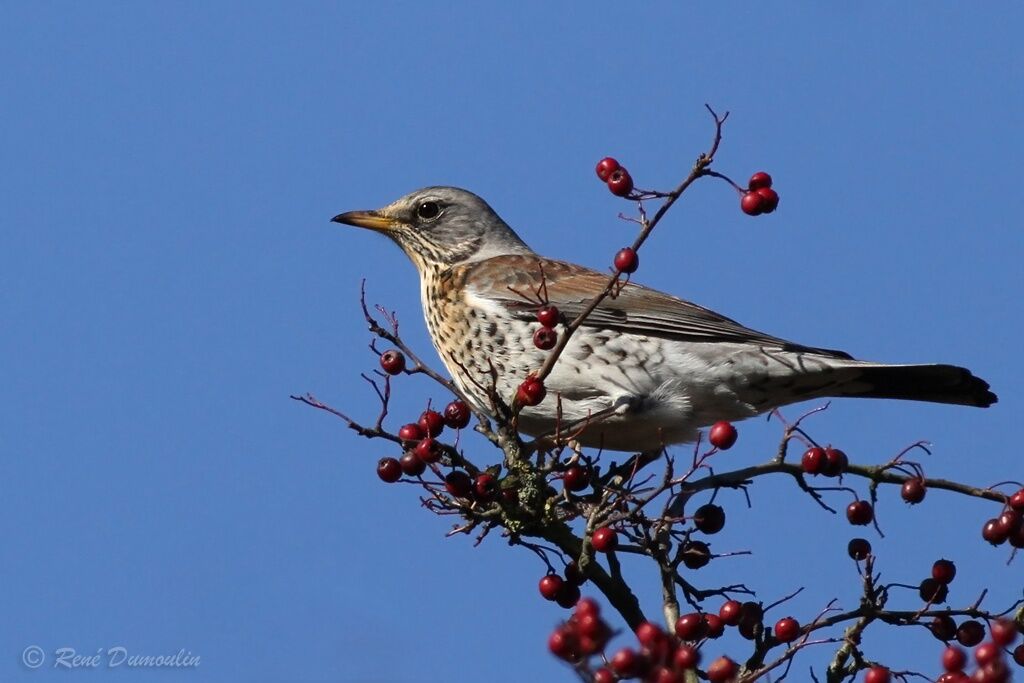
(428, 210)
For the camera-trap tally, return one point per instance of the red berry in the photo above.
(1018, 654)
(456, 414)
(691, 626)
(713, 625)
(605, 168)
(620, 182)
(722, 670)
(986, 653)
(428, 450)
(751, 611)
(787, 629)
(814, 461)
(1017, 537)
(993, 532)
(953, 677)
(943, 627)
(626, 662)
(835, 462)
(877, 674)
(568, 595)
(1004, 632)
(858, 548)
(595, 637)
(577, 478)
(588, 624)
(709, 518)
(411, 432)
(550, 585)
(686, 657)
(649, 635)
(626, 260)
(531, 392)
(392, 362)
(588, 606)
(769, 199)
(485, 487)
(431, 422)
(663, 674)
(931, 590)
(1009, 521)
(1017, 501)
(605, 540)
(548, 316)
(953, 658)
(730, 612)
(458, 484)
(411, 464)
(752, 203)
(759, 180)
(545, 338)
(970, 633)
(943, 571)
(594, 633)
(562, 643)
(389, 470)
(722, 435)
(995, 671)
(696, 554)
(913, 490)
(859, 513)
(604, 675)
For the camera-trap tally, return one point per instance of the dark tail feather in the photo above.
(933, 383)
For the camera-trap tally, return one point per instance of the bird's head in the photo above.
(438, 227)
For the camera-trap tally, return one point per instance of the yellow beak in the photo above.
(374, 220)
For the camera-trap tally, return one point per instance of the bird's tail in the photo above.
(932, 383)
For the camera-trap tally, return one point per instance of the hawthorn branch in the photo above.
(700, 169)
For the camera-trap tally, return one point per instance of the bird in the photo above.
(645, 370)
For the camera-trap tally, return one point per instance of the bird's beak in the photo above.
(374, 220)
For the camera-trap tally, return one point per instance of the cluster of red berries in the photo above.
(1009, 525)
(747, 617)
(564, 591)
(660, 658)
(583, 635)
(989, 656)
(545, 337)
(828, 462)
(620, 183)
(664, 657)
(419, 439)
(759, 197)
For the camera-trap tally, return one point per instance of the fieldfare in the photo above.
(656, 368)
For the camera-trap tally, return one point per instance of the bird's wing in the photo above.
(507, 281)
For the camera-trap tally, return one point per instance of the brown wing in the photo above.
(636, 309)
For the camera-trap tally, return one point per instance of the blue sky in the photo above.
(168, 276)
